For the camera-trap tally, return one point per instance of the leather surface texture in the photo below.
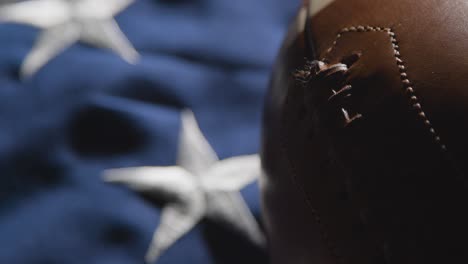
(364, 140)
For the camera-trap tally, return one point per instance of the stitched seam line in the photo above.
(407, 84)
(415, 104)
(326, 238)
(332, 248)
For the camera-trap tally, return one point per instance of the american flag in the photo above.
(92, 93)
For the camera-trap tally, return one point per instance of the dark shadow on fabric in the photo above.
(174, 2)
(13, 72)
(145, 91)
(28, 172)
(234, 250)
(190, 6)
(97, 132)
(119, 234)
(221, 64)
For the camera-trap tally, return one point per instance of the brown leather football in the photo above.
(366, 132)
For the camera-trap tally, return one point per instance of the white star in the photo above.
(317, 6)
(200, 186)
(64, 22)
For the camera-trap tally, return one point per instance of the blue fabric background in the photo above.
(87, 110)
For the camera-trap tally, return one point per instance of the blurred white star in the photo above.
(317, 6)
(200, 186)
(64, 22)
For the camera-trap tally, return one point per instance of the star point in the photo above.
(64, 22)
(200, 186)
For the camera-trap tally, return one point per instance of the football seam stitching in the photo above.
(410, 93)
(315, 214)
(407, 84)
